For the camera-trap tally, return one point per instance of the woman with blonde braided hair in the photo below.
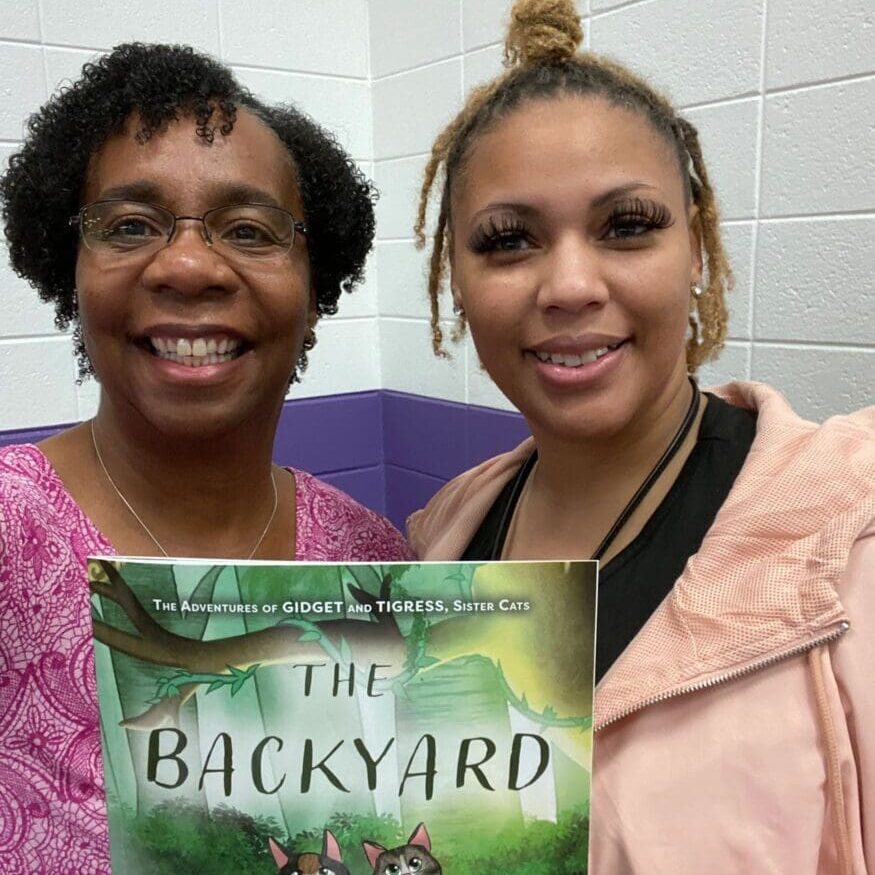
(736, 638)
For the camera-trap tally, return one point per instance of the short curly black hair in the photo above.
(42, 186)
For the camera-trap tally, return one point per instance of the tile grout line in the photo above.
(220, 29)
(758, 192)
(395, 74)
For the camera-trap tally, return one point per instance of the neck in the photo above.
(609, 465)
(219, 485)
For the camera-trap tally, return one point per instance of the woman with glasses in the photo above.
(192, 237)
(735, 652)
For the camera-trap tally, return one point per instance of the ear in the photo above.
(372, 852)
(695, 232)
(451, 264)
(420, 837)
(458, 303)
(330, 847)
(280, 856)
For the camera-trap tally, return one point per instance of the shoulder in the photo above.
(443, 528)
(27, 482)
(841, 448)
(806, 489)
(334, 527)
(23, 462)
(776, 415)
(40, 524)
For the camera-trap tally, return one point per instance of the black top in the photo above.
(640, 576)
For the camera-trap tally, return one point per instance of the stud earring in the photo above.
(458, 309)
(696, 290)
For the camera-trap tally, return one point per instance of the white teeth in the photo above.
(574, 361)
(195, 361)
(199, 349)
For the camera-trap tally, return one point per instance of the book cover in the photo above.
(315, 719)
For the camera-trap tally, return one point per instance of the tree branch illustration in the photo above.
(379, 641)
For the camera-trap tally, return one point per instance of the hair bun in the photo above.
(542, 31)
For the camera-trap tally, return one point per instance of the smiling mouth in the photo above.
(197, 352)
(576, 361)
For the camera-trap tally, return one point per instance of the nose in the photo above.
(572, 277)
(188, 265)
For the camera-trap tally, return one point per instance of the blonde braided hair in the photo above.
(542, 62)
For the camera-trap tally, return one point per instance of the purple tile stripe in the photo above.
(389, 450)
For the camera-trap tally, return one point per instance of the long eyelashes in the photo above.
(629, 218)
(498, 233)
(635, 216)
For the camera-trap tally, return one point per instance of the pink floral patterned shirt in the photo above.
(52, 815)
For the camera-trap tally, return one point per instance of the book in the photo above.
(350, 719)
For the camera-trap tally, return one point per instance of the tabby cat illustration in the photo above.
(327, 863)
(414, 858)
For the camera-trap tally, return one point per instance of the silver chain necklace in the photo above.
(148, 531)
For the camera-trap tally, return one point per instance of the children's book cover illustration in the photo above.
(315, 719)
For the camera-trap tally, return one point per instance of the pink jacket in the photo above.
(736, 733)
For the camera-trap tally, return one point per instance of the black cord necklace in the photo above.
(670, 452)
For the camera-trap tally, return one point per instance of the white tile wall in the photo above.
(481, 66)
(64, 65)
(408, 364)
(818, 145)
(36, 377)
(728, 135)
(343, 106)
(834, 43)
(733, 364)
(87, 398)
(818, 380)
(403, 273)
(399, 182)
(738, 238)
(24, 314)
(484, 22)
(21, 19)
(405, 35)
(102, 25)
(814, 279)
(783, 98)
(411, 108)
(22, 87)
(310, 36)
(336, 363)
(362, 300)
(697, 51)
(597, 6)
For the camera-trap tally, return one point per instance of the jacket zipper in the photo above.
(826, 638)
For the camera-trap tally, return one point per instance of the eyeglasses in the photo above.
(250, 231)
